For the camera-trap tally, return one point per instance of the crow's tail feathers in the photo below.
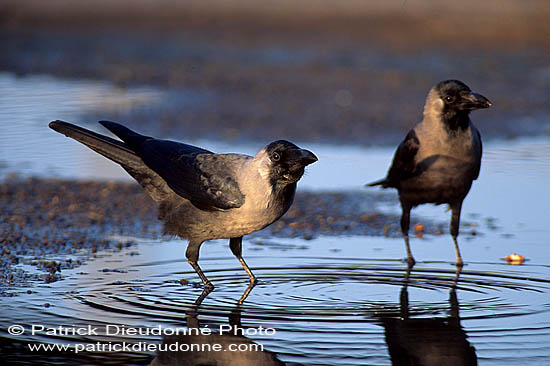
(132, 139)
(119, 152)
(382, 182)
(112, 149)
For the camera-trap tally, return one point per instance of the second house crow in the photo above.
(440, 157)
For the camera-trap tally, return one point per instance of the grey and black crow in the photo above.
(440, 156)
(202, 195)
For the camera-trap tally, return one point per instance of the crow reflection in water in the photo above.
(428, 341)
(202, 195)
(440, 158)
(245, 351)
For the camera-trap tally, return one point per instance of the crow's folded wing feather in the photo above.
(477, 167)
(403, 165)
(207, 180)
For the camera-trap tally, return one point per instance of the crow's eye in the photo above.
(449, 99)
(275, 157)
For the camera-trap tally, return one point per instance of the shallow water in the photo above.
(331, 300)
(28, 104)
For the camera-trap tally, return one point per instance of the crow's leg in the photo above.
(236, 245)
(455, 223)
(192, 255)
(405, 223)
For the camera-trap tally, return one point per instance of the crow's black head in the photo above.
(287, 161)
(458, 101)
(457, 96)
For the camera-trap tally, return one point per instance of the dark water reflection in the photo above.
(428, 341)
(227, 345)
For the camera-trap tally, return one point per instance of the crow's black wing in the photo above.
(206, 179)
(403, 165)
(477, 137)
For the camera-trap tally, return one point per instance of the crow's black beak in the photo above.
(471, 101)
(302, 156)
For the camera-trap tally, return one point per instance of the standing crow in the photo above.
(440, 157)
(202, 195)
